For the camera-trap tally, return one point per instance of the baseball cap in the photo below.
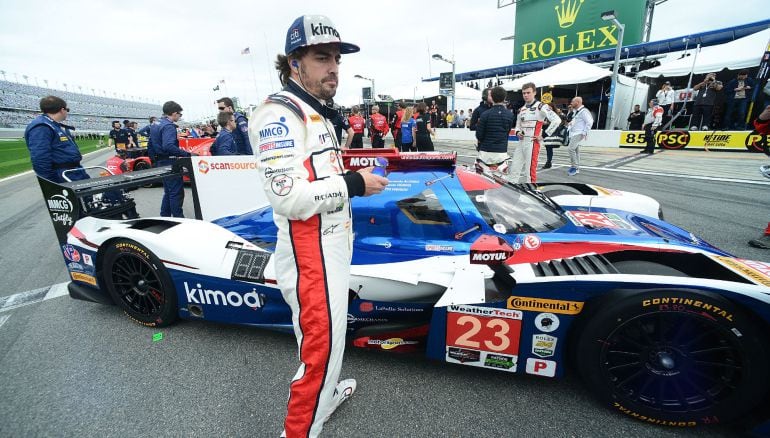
(309, 30)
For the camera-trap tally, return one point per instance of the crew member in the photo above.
(483, 106)
(303, 176)
(146, 133)
(652, 121)
(52, 148)
(395, 124)
(493, 128)
(762, 125)
(225, 142)
(166, 144)
(118, 137)
(357, 124)
(379, 128)
(529, 129)
(340, 123)
(423, 129)
(241, 133)
(133, 140)
(579, 126)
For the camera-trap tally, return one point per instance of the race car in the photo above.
(132, 159)
(471, 269)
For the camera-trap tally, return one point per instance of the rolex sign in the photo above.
(554, 28)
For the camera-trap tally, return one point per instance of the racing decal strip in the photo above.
(314, 323)
(179, 264)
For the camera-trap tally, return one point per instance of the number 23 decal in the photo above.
(499, 335)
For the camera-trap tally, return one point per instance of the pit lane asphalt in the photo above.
(71, 368)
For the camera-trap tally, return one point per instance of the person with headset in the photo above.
(302, 173)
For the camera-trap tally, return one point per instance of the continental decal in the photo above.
(672, 303)
(85, 278)
(545, 305)
(745, 268)
(126, 247)
(652, 420)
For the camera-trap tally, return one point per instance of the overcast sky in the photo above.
(164, 50)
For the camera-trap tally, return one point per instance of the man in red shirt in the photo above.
(762, 125)
(357, 124)
(396, 124)
(379, 128)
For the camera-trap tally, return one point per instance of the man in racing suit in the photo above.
(762, 125)
(379, 128)
(302, 174)
(529, 129)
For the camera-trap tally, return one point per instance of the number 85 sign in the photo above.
(484, 329)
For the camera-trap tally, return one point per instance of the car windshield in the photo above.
(514, 209)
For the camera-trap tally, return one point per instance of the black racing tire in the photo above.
(139, 284)
(674, 358)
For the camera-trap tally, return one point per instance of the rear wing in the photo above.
(69, 201)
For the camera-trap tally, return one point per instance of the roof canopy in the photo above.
(742, 53)
(571, 71)
(678, 44)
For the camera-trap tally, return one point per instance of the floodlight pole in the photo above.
(610, 16)
(451, 61)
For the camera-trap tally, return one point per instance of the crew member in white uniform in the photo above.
(302, 173)
(529, 129)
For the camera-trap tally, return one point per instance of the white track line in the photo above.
(26, 298)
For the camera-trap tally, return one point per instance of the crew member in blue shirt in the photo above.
(146, 132)
(241, 133)
(52, 147)
(133, 140)
(225, 142)
(166, 144)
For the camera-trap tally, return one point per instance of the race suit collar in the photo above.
(325, 110)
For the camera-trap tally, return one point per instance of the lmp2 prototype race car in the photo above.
(470, 269)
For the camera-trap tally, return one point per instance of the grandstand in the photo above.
(20, 103)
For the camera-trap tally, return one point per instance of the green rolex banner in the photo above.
(553, 28)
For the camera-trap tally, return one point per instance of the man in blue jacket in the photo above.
(225, 142)
(492, 130)
(146, 133)
(52, 147)
(241, 133)
(166, 144)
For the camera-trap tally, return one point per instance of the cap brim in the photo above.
(349, 48)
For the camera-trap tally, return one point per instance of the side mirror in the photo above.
(490, 250)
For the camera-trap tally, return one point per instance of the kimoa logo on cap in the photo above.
(322, 29)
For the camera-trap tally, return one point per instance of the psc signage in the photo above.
(552, 28)
(680, 139)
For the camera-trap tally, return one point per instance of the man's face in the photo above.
(318, 70)
(176, 116)
(222, 107)
(637, 108)
(231, 124)
(528, 94)
(574, 103)
(116, 125)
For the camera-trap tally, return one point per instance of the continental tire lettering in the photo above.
(677, 303)
(652, 420)
(129, 247)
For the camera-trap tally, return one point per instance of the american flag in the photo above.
(222, 81)
(245, 51)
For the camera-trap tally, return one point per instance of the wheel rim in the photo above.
(672, 362)
(137, 285)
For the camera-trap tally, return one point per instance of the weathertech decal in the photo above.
(757, 272)
(542, 304)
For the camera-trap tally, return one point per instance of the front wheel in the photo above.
(139, 283)
(674, 358)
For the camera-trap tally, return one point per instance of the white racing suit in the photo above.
(301, 171)
(529, 126)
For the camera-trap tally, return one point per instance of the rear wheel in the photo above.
(143, 165)
(139, 283)
(674, 358)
